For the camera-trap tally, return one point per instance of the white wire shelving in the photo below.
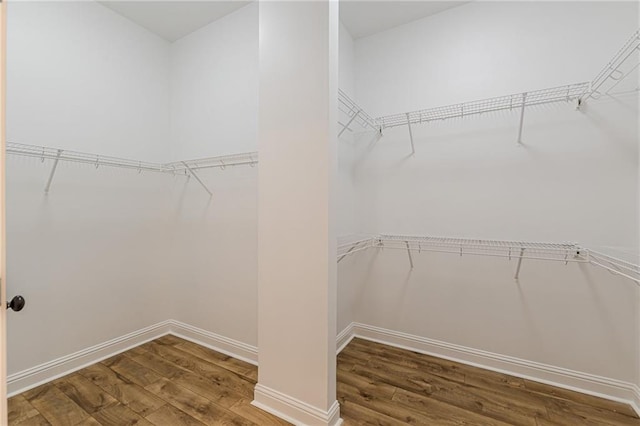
(566, 93)
(616, 70)
(355, 114)
(221, 162)
(615, 266)
(512, 250)
(623, 63)
(186, 167)
(354, 245)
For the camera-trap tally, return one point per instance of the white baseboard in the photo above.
(344, 337)
(296, 411)
(635, 403)
(225, 345)
(293, 410)
(43, 373)
(48, 371)
(599, 386)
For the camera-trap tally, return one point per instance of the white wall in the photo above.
(214, 111)
(214, 251)
(106, 91)
(91, 257)
(214, 88)
(347, 220)
(109, 251)
(575, 179)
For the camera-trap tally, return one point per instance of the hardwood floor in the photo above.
(383, 385)
(173, 382)
(167, 382)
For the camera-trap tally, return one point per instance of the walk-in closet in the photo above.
(320, 213)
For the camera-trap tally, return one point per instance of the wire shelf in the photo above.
(188, 167)
(48, 153)
(354, 113)
(564, 252)
(221, 162)
(616, 266)
(613, 71)
(567, 93)
(352, 245)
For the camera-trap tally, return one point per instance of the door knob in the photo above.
(17, 303)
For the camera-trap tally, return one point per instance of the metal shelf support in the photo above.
(346, 126)
(409, 253)
(519, 263)
(524, 102)
(192, 173)
(413, 148)
(53, 171)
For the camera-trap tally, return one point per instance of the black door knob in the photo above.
(17, 303)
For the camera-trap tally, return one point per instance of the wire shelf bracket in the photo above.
(196, 177)
(524, 102)
(413, 148)
(53, 171)
(355, 114)
(517, 275)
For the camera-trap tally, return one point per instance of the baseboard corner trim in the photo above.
(602, 387)
(59, 367)
(293, 410)
(345, 337)
(225, 345)
(635, 403)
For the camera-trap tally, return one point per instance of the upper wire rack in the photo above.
(567, 93)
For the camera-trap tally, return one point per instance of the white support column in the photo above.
(297, 271)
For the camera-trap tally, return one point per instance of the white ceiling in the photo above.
(175, 19)
(364, 17)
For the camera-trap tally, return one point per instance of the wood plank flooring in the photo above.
(173, 382)
(383, 385)
(166, 382)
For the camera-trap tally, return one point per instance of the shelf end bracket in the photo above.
(413, 148)
(53, 171)
(192, 173)
(346, 126)
(409, 253)
(519, 263)
(524, 102)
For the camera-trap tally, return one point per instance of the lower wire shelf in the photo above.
(561, 252)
